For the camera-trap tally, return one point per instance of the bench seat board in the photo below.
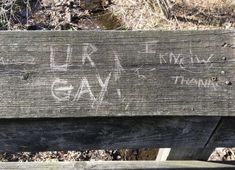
(117, 73)
(224, 134)
(117, 165)
(106, 133)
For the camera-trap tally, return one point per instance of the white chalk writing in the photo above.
(119, 93)
(18, 60)
(137, 71)
(88, 50)
(63, 91)
(150, 47)
(170, 58)
(205, 83)
(118, 67)
(187, 63)
(104, 87)
(62, 67)
(84, 89)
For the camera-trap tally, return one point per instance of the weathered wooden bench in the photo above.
(65, 90)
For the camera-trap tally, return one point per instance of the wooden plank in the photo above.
(165, 165)
(224, 135)
(186, 153)
(104, 133)
(116, 73)
(202, 154)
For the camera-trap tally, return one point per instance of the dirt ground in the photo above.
(220, 154)
(114, 14)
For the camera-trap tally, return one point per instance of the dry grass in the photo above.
(207, 3)
(8, 9)
(133, 14)
(6, 12)
(138, 14)
(145, 14)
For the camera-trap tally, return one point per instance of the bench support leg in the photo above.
(190, 154)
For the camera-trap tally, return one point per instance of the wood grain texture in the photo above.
(104, 133)
(165, 165)
(186, 153)
(117, 73)
(224, 134)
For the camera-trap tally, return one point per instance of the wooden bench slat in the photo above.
(224, 134)
(115, 165)
(105, 133)
(116, 73)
